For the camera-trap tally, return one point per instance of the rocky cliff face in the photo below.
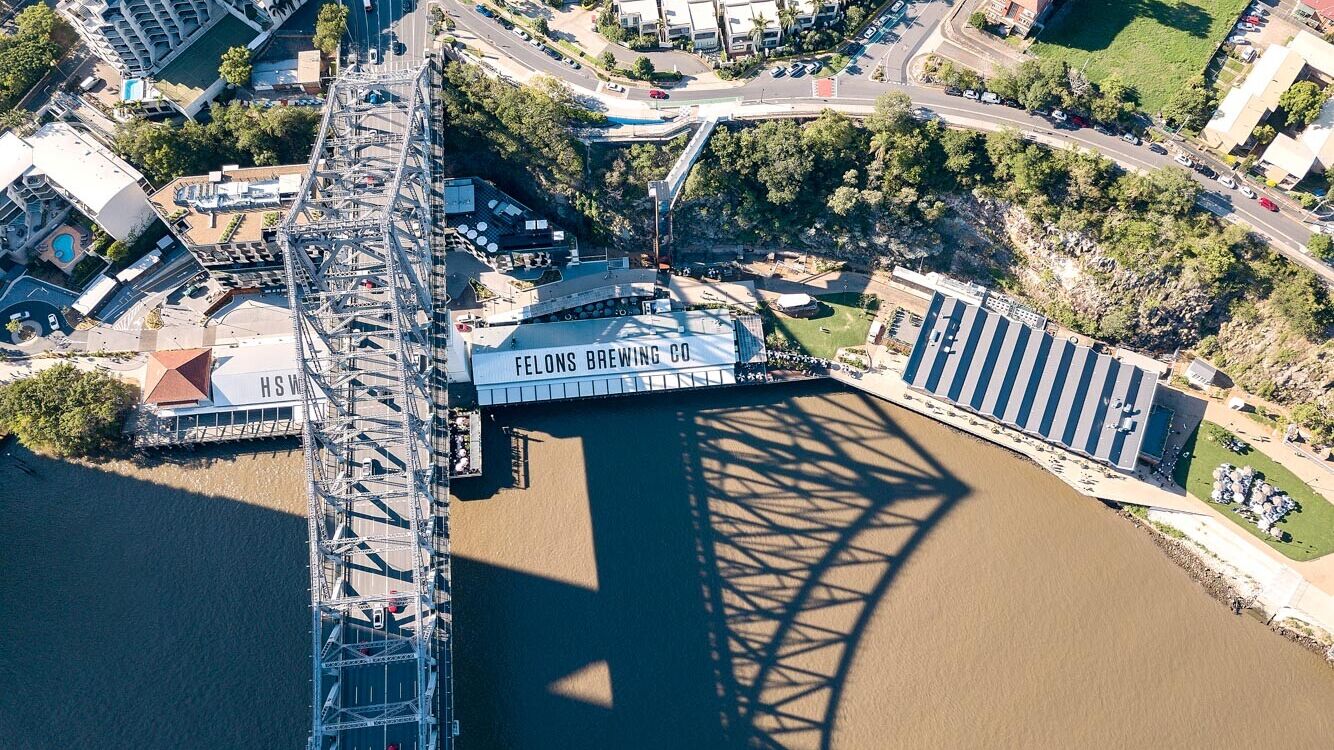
(1068, 275)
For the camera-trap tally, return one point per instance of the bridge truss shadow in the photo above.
(735, 579)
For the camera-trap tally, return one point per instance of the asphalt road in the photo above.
(895, 45)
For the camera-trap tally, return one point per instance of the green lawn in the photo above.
(186, 77)
(1155, 45)
(841, 314)
(1311, 525)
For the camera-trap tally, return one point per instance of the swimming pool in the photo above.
(62, 246)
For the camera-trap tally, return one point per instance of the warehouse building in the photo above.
(614, 356)
(1022, 376)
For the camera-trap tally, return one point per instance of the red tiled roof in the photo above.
(178, 376)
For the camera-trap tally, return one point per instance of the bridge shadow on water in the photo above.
(140, 613)
(742, 549)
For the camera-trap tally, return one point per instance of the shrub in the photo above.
(66, 411)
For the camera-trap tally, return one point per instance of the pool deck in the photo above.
(80, 247)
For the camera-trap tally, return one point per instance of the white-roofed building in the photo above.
(57, 167)
(241, 390)
(95, 295)
(751, 25)
(1246, 106)
(704, 25)
(1287, 160)
(811, 12)
(639, 16)
(676, 19)
(610, 356)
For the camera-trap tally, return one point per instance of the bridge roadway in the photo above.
(361, 272)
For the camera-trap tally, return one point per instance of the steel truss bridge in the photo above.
(364, 276)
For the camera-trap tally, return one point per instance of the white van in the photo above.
(89, 83)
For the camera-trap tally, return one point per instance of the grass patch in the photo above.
(846, 316)
(1155, 47)
(1311, 525)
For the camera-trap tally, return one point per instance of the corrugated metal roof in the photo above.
(616, 329)
(1026, 378)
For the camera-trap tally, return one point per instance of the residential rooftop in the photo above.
(207, 204)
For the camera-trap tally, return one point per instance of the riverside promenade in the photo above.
(1282, 588)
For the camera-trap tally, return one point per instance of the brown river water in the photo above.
(797, 567)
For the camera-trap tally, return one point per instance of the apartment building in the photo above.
(751, 25)
(138, 37)
(810, 13)
(640, 17)
(1018, 16)
(58, 169)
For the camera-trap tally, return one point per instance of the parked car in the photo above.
(797, 70)
(896, 7)
(1130, 138)
(1157, 148)
(870, 31)
(1058, 115)
(1206, 170)
(520, 33)
(572, 63)
(1012, 103)
(1184, 161)
(53, 321)
(90, 83)
(1268, 205)
(1253, 20)
(657, 94)
(990, 98)
(24, 315)
(1248, 26)
(535, 42)
(1258, 10)
(1227, 182)
(484, 10)
(614, 86)
(1102, 129)
(1079, 121)
(1246, 190)
(779, 71)
(1238, 40)
(970, 94)
(1248, 55)
(953, 91)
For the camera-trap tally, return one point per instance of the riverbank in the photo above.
(1286, 598)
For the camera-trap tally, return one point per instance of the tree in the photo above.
(330, 26)
(978, 20)
(1302, 102)
(787, 16)
(1264, 134)
(13, 326)
(235, 66)
(1190, 106)
(1321, 246)
(1113, 100)
(66, 411)
(642, 68)
(1303, 300)
(608, 60)
(541, 26)
(759, 25)
(28, 53)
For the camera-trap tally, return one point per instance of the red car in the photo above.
(657, 94)
(1268, 204)
(1252, 19)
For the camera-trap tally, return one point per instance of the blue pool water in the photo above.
(63, 247)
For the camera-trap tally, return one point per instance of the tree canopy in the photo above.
(1302, 102)
(28, 53)
(330, 25)
(245, 135)
(235, 66)
(65, 411)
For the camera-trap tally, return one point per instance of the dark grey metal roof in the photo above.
(1055, 389)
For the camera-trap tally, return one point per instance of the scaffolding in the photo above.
(358, 249)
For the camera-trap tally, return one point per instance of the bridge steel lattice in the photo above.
(360, 268)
